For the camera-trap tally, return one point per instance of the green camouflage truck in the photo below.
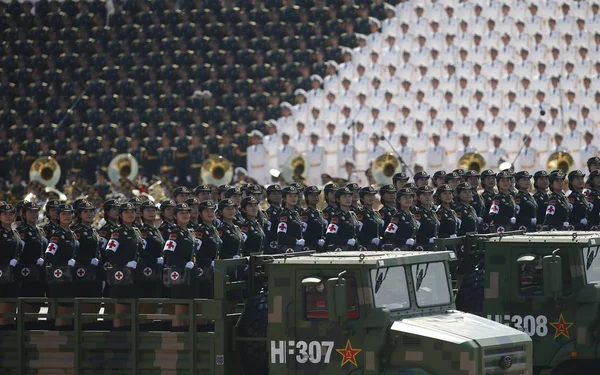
(546, 284)
(304, 313)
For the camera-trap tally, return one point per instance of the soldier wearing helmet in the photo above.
(342, 229)
(290, 236)
(86, 254)
(488, 183)
(167, 215)
(329, 190)
(31, 259)
(313, 220)
(578, 201)
(541, 195)
(503, 208)
(449, 222)
(557, 212)
(10, 248)
(151, 258)
(253, 235)
(273, 211)
(525, 204)
(425, 215)
(465, 212)
(401, 231)
(52, 216)
(229, 232)
(370, 222)
(210, 242)
(594, 199)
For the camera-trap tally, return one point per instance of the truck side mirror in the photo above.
(337, 305)
(552, 266)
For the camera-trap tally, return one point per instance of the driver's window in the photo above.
(531, 276)
(316, 300)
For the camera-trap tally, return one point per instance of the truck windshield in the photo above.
(591, 263)
(431, 284)
(390, 288)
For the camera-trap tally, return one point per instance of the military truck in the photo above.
(305, 313)
(546, 284)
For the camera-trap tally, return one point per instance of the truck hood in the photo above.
(458, 327)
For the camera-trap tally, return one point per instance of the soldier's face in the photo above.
(251, 210)
(557, 185)
(207, 215)
(31, 216)
(345, 200)
(596, 182)
(236, 199)
(149, 214)
(504, 184)
(421, 182)
(466, 196)
(542, 182)
(489, 182)
(183, 218)
(473, 181)
(52, 214)
(65, 218)
(203, 196)
(228, 213)
(388, 198)
(578, 183)
(453, 182)
(406, 201)
(312, 199)
(87, 216)
(168, 213)
(291, 199)
(128, 216)
(275, 197)
(180, 198)
(426, 198)
(524, 183)
(368, 199)
(446, 197)
(400, 183)
(7, 218)
(113, 214)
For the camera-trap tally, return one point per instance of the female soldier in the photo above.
(193, 202)
(252, 229)
(488, 182)
(464, 209)
(85, 257)
(329, 190)
(502, 210)
(151, 259)
(273, 211)
(31, 258)
(313, 220)
(111, 216)
(228, 231)
(526, 206)
(179, 251)
(542, 194)
(401, 231)
(428, 222)
(342, 230)
(122, 252)
(210, 246)
(59, 253)
(594, 200)
(52, 217)
(557, 213)
(137, 202)
(388, 201)
(449, 222)
(166, 208)
(10, 247)
(370, 223)
(289, 229)
(578, 201)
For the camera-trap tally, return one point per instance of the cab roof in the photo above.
(592, 238)
(371, 258)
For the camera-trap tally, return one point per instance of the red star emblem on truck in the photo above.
(561, 327)
(348, 354)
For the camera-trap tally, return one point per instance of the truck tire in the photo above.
(253, 324)
(470, 295)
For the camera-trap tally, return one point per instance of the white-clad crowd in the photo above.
(512, 80)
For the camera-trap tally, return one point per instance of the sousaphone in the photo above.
(385, 167)
(45, 170)
(216, 170)
(294, 169)
(560, 160)
(471, 161)
(123, 166)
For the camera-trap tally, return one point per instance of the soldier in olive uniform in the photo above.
(449, 222)
(525, 204)
(472, 177)
(370, 222)
(31, 258)
(421, 179)
(593, 198)
(210, 246)
(193, 202)
(342, 229)
(151, 259)
(354, 188)
(503, 209)
(313, 220)
(428, 222)
(10, 250)
(329, 190)
(289, 229)
(438, 178)
(273, 211)
(388, 202)
(167, 215)
(401, 231)
(578, 201)
(465, 212)
(228, 231)
(253, 234)
(399, 179)
(52, 216)
(87, 254)
(235, 194)
(558, 210)
(488, 182)
(541, 195)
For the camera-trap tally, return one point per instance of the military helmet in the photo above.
(147, 205)
(253, 189)
(53, 203)
(193, 201)
(225, 203)
(574, 174)
(330, 187)
(84, 206)
(387, 189)
(63, 207)
(404, 191)
(464, 186)
(248, 200)
(182, 207)
(342, 191)
(30, 206)
(232, 191)
(137, 202)
(399, 177)
(289, 190)
(353, 186)
(127, 206)
(595, 160)
(438, 174)
(443, 188)
(273, 187)
(487, 173)
(522, 175)
(311, 190)
(201, 188)
(557, 175)
(181, 190)
(207, 205)
(8, 208)
(367, 190)
(503, 174)
(540, 174)
(471, 173)
(110, 204)
(424, 190)
(222, 188)
(451, 176)
(166, 204)
(420, 175)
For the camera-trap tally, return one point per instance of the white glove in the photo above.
(432, 239)
(410, 241)
(94, 261)
(351, 242)
(189, 265)
(375, 241)
(160, 260)
(236, 257)
(513, 220)
(40, 262)
(71, 262)
(131, 264)
(13, 262)
(479, 220)
(321, 242)
(453, 236)
(533, 221)
(300, 242)
(566, 224)
(583, 221)
(459, 221)
(212, 263)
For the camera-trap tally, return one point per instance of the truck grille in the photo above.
(505, 360)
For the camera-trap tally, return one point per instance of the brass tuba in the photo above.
(471, 161)
(294, 169)
(123, 166)
(385, 167)
(216, 170)
(560, 160)
(45, 170)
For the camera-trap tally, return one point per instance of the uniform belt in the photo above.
(527, 166)
(576, 150)
(257, 165)
(330, 152)
(152, 157)
(180, 155)
(76, 170)
(90, 155)
(196, 165)
(361, 152)
(315, 165)
(166, 168)
(435, 166)
(420, 151)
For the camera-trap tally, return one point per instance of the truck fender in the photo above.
(563, 354)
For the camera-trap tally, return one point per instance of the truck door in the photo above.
(320, 343)
(550, 324)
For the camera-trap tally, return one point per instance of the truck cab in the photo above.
(380, 313)
(546, 284)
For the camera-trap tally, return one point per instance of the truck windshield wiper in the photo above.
(379, 277)
(590, 256)
(421, 273)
